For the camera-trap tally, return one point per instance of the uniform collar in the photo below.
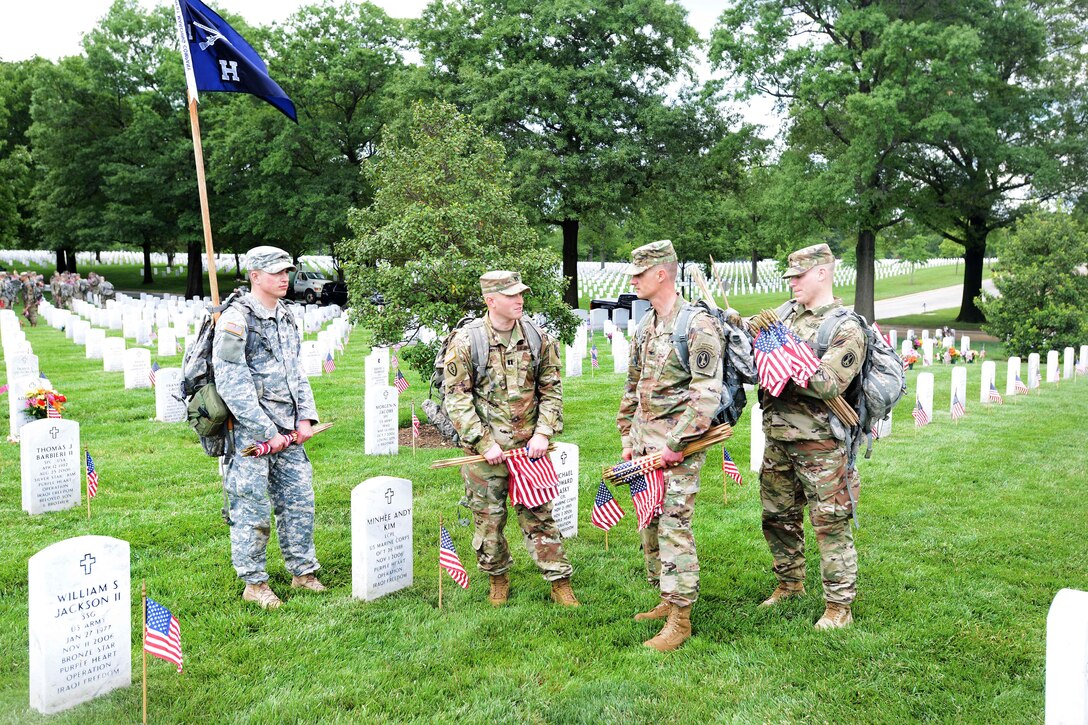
(260, 311)
(680, 302)
(515, 335)
(835, 302)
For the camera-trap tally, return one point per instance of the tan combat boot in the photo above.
(661, 611)
(784, 590)
(563, 595)
(676, 631)
(262, 594)
(500, 590)
(836, 616)
(307, 581)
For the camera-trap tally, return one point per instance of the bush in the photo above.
(1043, 285)
(442, 216)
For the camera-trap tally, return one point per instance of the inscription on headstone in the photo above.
(169, 408)
(380, 421)
(50, 458)
(381, 537)
(565, 507)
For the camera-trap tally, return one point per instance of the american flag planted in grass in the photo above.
(919, 414)
(448, 559)
(606, 512)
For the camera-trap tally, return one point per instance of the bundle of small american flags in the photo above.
(533, 481)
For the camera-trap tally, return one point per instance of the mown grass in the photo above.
(968, 531)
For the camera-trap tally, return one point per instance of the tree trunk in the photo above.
(570, 261)
(974, 257)
(148, 277)
(194, 283)
(864, 297)
(755, 266)
(62, 262)
(98, 256)
(237, 266)
(70, 254)
(170, 258)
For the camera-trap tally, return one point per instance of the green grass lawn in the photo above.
(968, 532)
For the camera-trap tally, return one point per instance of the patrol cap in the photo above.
(268, 259)
(805, 259)
(502, 282)
(650, 255)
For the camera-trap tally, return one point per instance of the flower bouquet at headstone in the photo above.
(954, 354)
(40, 402)
(909, 360)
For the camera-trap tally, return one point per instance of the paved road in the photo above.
(928, 301)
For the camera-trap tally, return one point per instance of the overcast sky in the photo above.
(53, 28)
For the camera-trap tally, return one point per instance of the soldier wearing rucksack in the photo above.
(809, 454)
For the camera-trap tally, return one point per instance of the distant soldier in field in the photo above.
(9, 288)
(106, 291)
(518, 403)
(258, 372)
(803, 460)
(664, 408)
(32, 297)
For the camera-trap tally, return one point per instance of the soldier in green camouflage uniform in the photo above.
(32, 297)
(664, 408)
(258, 373)
(515, 404)
(803, 461)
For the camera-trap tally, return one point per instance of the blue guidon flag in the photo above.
(217, 58)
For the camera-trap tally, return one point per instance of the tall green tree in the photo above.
(574, 88)
(17, 168)
(441, 217)
(826, 63)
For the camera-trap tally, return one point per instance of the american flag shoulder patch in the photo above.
(233, 328)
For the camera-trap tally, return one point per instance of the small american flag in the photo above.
(993, 395)
(729, 468)
(394, 360)
(151, 374)
(606, 512)
(92, 477)
(920, 416)
(51, 410)
(416, 425)
(1082, 369)
(648, 495)
(162, 634)
(1038, 378)
(330, 364)
(532, 482)
(958, 410)
(1018, 386)
(803, 359)
(400, 382)
(448, 560)
(773, 364)
(593, 356)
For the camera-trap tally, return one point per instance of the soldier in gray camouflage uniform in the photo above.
(259, 375)
(803, 460)
(32, 297)
(664, 408)
(9, 288)
(516, 404)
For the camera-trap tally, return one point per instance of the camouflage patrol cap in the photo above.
(503, 283)
(650, 255)
(805, 259)
(268, 259)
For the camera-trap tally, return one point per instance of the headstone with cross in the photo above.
(51, 465)
(80, 621)
(565, 507)
(381, 537)
(381, 412)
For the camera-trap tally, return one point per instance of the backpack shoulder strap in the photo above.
(785, 310)
(478, 343)
(680, 333)
(535, 339)
(830, 326)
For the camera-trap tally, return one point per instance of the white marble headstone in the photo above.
(168, 342)
(22, 365)
(989, 375)
(758, 440)
(1052, 366)
(1067, 658)
(377, 369)
(169, 408)
(959, 386)
(51, 465)
(620, 350)
(96, 340)
(565, 507)
(113, 355)
(381, 537)
(1012, 371)
(380, 422)
(1067, 363)
(924, 387)
(574, 361)
(137, 368)
(80, 621)
(311, 359)
(1033, 371)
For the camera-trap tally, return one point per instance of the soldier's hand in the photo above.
(493, 455)
(305, 431)
(538, 446)
(628, 454)
(670, 457)
(278, 442)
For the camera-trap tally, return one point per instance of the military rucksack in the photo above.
(205, 410)
(474, 326)
(876, 389)
(738, 365)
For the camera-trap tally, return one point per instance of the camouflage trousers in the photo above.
(812, 472)
(668, 543)
(486, 489)
(256, 488)
(31, 314)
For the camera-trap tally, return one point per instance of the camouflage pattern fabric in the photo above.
(32, 297)
(800, 414)
(794, 473)
(663, 405)
(259, 375)
(507, 406)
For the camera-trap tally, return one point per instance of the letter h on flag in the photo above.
(217, 58)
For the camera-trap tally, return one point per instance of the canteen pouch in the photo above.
(207, 413)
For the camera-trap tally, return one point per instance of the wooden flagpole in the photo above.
(606, 541)
(413, 424)
(209, 249)
(143, 640)
(440, 562)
